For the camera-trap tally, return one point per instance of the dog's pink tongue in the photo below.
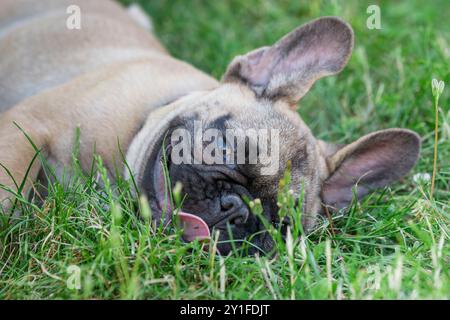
(193, 227)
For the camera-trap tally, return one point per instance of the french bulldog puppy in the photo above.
(114, 81)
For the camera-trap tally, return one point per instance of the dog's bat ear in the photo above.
(371, 162)
(288, 69)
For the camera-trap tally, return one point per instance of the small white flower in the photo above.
(421, 178)
(437, 87)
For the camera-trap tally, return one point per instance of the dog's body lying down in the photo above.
(115, 81)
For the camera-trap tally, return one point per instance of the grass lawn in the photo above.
(392, 245)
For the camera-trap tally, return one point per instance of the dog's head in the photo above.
(234, 142)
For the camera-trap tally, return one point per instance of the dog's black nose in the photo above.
(234, 207)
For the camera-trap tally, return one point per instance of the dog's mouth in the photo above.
(194, 227)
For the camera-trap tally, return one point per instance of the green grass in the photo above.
(394, 244)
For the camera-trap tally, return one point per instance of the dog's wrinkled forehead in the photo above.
(235, 106)
(232, 106)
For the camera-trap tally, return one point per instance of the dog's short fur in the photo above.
(115, 81)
